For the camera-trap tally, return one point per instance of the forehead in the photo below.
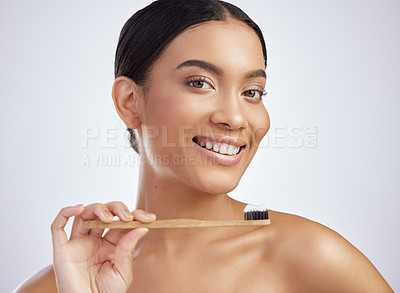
(230, 44)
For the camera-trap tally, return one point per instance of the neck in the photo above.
(170, 199)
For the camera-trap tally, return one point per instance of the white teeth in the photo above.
(216, 148)
(224, 149)
(230, 150)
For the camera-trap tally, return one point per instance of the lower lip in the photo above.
(227, 160)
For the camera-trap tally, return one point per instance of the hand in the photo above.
(89, 261)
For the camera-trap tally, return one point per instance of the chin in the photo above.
(215, 183)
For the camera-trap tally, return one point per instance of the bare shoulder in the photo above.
(318, 259)
(43, 281)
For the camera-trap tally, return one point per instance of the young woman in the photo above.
(190, 76)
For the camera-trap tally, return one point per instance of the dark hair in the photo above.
(146, 34)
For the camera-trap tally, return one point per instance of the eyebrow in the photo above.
(257, 73)
(202, 64)
(211, 67)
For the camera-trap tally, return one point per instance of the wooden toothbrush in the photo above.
(253, 216)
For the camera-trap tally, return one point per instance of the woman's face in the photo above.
(205, 92)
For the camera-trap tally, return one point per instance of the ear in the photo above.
(125, 94)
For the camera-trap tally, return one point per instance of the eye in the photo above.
(255, 94)
(199, 83)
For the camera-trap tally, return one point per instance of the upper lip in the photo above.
(221, 139)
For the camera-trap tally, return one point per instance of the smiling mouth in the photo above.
(218, 147)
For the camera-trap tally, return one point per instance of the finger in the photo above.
(59, 236)
(97, 211)
(114, 235)
(91, 212)
(143, 216)
(124, 253)
(116, 208)
(119, 209)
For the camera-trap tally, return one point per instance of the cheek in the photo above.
(169, 106)
(260, 123)
(172, 116)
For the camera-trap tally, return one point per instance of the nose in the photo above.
(229, 113)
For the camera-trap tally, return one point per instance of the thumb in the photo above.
(124, 253)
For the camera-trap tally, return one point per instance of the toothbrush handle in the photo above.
(173, 223)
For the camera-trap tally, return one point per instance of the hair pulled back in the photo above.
(146, 34)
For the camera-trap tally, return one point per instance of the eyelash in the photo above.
(189, 82)
(262, 93)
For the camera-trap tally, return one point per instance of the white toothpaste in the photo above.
(254, 208)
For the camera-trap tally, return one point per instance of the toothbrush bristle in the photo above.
(255, 213)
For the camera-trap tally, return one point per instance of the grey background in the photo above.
(333, 76)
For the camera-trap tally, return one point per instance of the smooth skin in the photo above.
(293, 254)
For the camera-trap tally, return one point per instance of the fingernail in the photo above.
(149, 215)
(143, 231)
(127, 214)
(107, 213)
